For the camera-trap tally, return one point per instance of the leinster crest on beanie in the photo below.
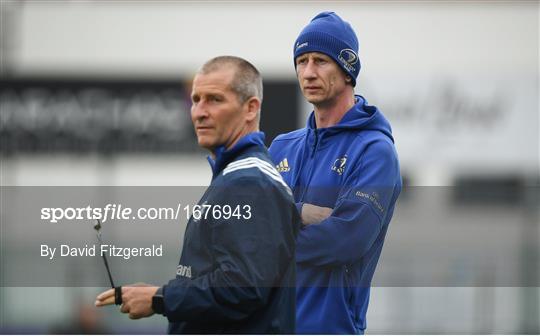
(327, 33)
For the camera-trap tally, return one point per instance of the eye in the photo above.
(214, 99)
(195, 99)
(301, 61)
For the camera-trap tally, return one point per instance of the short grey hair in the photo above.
(247, 81)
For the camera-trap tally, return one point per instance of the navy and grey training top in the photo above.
(236, 273)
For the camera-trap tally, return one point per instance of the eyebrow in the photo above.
(207, 94)
(321, 56)
(301, 58)
(314, 56)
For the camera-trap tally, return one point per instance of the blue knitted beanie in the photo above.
(327, 33)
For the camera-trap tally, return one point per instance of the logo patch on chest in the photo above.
(339, 165)
(283, 166)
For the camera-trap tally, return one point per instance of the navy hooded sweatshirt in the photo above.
(353, 168)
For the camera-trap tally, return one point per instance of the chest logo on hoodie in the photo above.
(339, 165)
(283, 166)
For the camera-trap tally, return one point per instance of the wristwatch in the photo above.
(158, 306)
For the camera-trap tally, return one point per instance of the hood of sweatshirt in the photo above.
(360, 117)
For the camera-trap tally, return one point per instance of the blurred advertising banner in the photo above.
(79, 116)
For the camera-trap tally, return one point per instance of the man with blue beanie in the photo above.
(344, 173)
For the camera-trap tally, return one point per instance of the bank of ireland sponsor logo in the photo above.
(349, 59)
(372, 197)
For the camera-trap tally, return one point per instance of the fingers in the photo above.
(136, 300)
(126, 310)
(109, 296)
(105, 294)
(104, 299)
(326, 212)
(313, 214)
(106, 302)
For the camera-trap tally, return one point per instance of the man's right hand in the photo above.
(312, 214)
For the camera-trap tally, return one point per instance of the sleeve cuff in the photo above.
(299, 206)
(160, 291)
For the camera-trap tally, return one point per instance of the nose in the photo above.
(307, 72)
(198, 112)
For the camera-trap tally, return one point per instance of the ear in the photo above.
(253, 105)
(348, 79)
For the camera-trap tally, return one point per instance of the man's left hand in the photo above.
(136, 299)
(313, 214)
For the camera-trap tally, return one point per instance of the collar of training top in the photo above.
(224, 156)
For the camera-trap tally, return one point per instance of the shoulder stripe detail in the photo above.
(241, 163)
(238, 163)
(262, 165)
(263, 170)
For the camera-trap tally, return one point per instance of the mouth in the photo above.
(311, 88)
(203, 128)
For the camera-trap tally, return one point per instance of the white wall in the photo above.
(458, 80)
(169, 38)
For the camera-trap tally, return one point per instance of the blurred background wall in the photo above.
(96, 93)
